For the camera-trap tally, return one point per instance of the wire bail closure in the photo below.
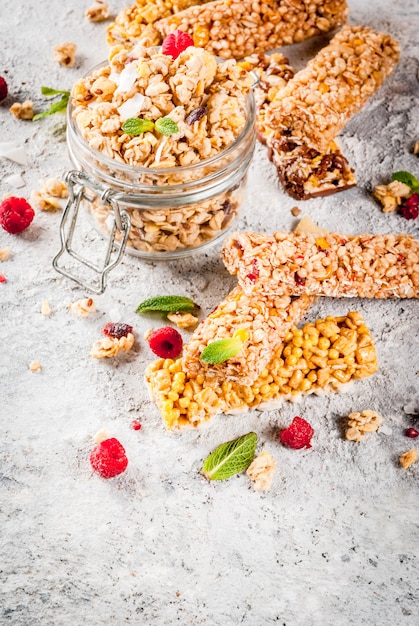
(78, 184)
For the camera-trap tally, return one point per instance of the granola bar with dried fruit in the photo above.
(365, 266)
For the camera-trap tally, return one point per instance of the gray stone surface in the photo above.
(335, 540)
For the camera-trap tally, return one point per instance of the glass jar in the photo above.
(157, 213)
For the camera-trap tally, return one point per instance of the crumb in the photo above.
(83, 307)
(391, 196)
(416, 148)
(5, 254)
(148, 333)
(65, 53)
(408, 458)
(109, 347)
(261, 471)
(97, 12)
(45, 308)
(101, 435)
(35, 366)
(295, 211)
(183, 320)
(306, 225)
(46, 197)
(361, 423)
(23, 110)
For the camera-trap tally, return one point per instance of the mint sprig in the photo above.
(166, 126)
(60, 105)
(230, 458)
(135, 126)
(221, 350)
(166, 304)
(408, 179)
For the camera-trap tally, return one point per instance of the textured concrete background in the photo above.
(335, 540)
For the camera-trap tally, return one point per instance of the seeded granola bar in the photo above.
(316, 104)
(263, 323)
(322, 357)
(366, 266)
(236, 28)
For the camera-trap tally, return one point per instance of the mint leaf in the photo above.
(221, 350)
(167, 304)
(406, 178)
(166, 126)
(48, 91)
(135, 126)
(61, 105)
(230, 458)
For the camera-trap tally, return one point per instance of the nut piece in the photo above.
(110, 346)
(45, 308)
(295, 211)
(83, 307)
(416, 148)
(361, 423)
(23, 111)
(261, 471)
(97, 12)
(35, 366)
(45, 198)
(391, 195)
(65, 53)
(408, 458)
(183, 320)
(5, 254)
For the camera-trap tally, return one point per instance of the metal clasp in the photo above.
(78, 186)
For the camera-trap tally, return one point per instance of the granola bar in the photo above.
(322, 357)
(236, 28)
(316, 104)
(263, 322)
(367, 266)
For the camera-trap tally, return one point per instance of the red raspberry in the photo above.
(135, 425)
(410, 207)
(175, 43)
(117, 330)
(108, 458)
(3, 89)
(15, 215)
(298, 434)
(166, 342)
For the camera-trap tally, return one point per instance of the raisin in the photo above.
(196, 115)
(299, 280)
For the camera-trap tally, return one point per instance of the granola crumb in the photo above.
(408, 458)
(261, 471)
(83, 307)
(65, 53)
(35, 366)
(23, 110)
(183, 320)
(306, 225)
(97, 12)
(416, 148)
(46, 197)
(5, 254)
(109, 347)
(148, 333)
(392, 195)
(361, 423)
(101, 435)
(295, 211)
(45, 308)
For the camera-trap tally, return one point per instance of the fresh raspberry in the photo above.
(135, 425)
(15, 215)
(175, 43)
(410, 207)
(117, 330)
(298, 434)
(166, 342)
(3, 278)
(3, 89)
(108, 458)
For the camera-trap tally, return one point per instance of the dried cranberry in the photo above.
(117, 330)
(299, 280)
(411, 432)
(135, 425)
(410, 208)
(237, 244)
(254, 274)
(196, 115)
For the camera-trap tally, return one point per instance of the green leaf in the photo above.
(230, 458)
(167, 304)
(406, 178)
(48, 91)
(135, 126)
(221, 350)
(61, 105)
(166, 126)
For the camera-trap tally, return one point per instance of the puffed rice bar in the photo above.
(316, 104)
(366, 266)
(236, 28)
(264, 323)
(322, 357)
